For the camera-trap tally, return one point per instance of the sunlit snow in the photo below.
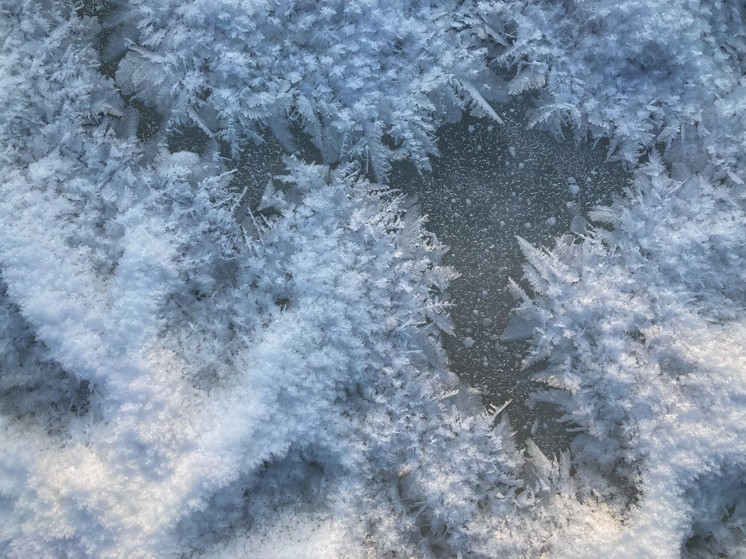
(230, 327)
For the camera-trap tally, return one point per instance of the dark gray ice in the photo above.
(491, 184)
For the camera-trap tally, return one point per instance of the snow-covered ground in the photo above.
(209, 353)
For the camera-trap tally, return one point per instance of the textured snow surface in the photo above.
(207, 350)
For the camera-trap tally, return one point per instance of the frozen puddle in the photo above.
(491, 184)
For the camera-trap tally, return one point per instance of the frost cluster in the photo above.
(367, 80)
(185, 374)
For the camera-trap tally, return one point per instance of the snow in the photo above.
(191, 368)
